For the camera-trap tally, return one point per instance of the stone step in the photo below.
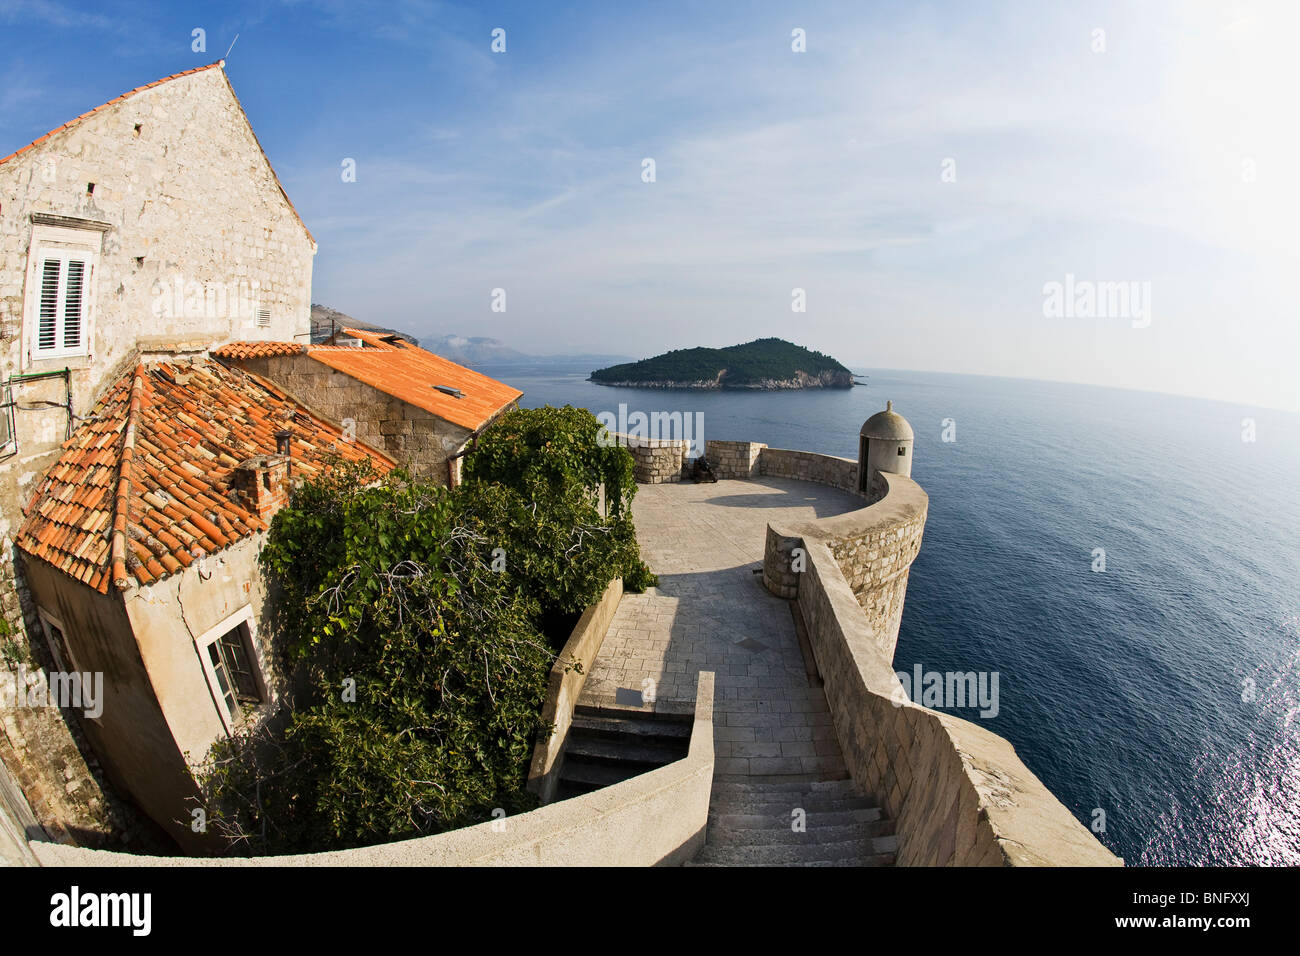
(780, 805)
(880, 849)
(785, 783)
(618, 727)
(782, 821)
(645, 752)
(595, 775)
(868, 860)
(636, 716)
(720, 835)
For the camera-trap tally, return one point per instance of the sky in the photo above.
(946, 183)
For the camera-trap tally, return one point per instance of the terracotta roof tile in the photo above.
(138, 490)
(246, 350)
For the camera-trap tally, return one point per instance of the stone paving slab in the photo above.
(711, 612)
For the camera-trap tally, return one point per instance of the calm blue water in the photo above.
(1122, 690)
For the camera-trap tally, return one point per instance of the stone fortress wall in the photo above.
(959, 794)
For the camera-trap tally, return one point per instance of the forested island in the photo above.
(767, 364)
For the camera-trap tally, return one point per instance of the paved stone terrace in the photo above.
(711, 612)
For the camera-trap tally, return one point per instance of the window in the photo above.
(264, 318)
(56, 641)
(59, 309)
(61, 326)
(902, 451)
(232, 666)
(228, 653)
(7, 441)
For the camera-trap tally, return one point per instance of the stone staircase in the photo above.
(751, 823)
(608, 745)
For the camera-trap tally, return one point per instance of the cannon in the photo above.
(703, 470)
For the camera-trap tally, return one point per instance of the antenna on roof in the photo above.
(232, 46)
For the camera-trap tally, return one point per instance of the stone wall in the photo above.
(44, 748)
(408, 434)
(839, 473)
(657, 460)
(564, 687)
(959, 794)
(734, 459)
(747, 459)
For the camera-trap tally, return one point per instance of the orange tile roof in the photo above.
(220, 64)
(243, 350)
(403, 370)
(144, 481)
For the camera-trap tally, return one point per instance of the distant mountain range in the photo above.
(764, 364)
(464, 350)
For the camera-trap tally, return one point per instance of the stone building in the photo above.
(153, 224)
(419, 408)
(140, 552)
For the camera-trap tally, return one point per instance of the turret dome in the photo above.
(887, 425)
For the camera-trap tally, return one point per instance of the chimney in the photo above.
(261, 484)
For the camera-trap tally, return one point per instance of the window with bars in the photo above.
(61, 316)
(233, 667)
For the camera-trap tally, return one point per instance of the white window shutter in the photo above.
(47, 330)
(64, 295)
(74, 304)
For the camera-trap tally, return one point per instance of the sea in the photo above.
(1127, 563)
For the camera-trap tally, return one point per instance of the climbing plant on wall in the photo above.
(419, 676)
(558, 457)
(417, 625)
(534, 449)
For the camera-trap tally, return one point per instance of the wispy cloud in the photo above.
(1163, 157)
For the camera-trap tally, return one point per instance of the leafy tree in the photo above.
(559, 457)
(420, 676)
(539, 451)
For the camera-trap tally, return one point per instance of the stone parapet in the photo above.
(653, 819)
(839, 473)
(657, 460)
(734, 459)
(959, 793)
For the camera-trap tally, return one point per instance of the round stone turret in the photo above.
(885, 444)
